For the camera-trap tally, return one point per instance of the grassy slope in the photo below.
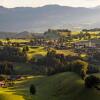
(65, 86)
(16, 40)
(34, 52)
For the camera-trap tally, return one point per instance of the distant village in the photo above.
(85, 43)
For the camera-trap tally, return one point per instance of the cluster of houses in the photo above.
(89, 47)
(58, 43)
(8, 80)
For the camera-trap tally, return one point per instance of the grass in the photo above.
(40, 51)
(16, 40)
(66, 52)
(64, 86)
(23, 68)
(33, 52)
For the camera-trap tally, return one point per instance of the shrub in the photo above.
(92, 81)
(6, 68)
(12, 54)
(80, 67)
(2, 78)
(93, 69)
(32, 89)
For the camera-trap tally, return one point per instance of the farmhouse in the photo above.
(64, 32)
(2, 83)
(84, 44)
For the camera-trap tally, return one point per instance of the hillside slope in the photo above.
(65, 86)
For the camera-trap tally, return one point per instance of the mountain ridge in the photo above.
(39, 19)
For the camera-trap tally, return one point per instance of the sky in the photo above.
(37, 3)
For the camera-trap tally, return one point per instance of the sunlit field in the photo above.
(50, 50)
(38, 51)
(16, 40)
(58, 87)
(64, 85)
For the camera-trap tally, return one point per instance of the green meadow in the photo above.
(64, 86)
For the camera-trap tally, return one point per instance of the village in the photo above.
(84, 45)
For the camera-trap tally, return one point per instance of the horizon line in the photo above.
(48, 5)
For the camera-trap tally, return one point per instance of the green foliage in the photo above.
(9, 53)
(56, 63)
(32, 89)
(6, 68)
(92, 82)
(64, 86)
(25, 49)
(51, 53)
(2, 78)
(80, 67)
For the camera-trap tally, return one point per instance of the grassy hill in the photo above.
(64, 86)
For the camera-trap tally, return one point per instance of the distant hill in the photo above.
(6, 35)
(51, 33)
(92, 30)
(50, 16)
(24, 34)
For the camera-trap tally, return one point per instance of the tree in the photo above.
(32, 89)
(13, 54)
(8, 41)
(31, 41)
(25, 49)
(80, 67)
(92, 82)
(2, 78)
(1, 43)
(51, 53)
(83, 74)
(6, 68)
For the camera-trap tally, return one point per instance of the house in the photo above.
(84, 44)
(2, 84)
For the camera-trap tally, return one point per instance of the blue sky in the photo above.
(36, 3)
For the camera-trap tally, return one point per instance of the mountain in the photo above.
(23, 34)
(6, 35)
(50, 16)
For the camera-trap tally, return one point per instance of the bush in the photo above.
(12, 54)
(2, 78)
(32, 89)
(6, 68)
(93, 69)
(92, 81)
(80, 67)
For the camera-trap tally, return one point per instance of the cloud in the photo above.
(35, 3)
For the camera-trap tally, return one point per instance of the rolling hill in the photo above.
(50, 16)
(23, 34)
(64, 86)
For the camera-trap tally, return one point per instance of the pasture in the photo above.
(64, 86)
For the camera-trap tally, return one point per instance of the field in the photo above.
(49, 50)
(64, 86)
(37, 52)
(41, 51)
(16, 40)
